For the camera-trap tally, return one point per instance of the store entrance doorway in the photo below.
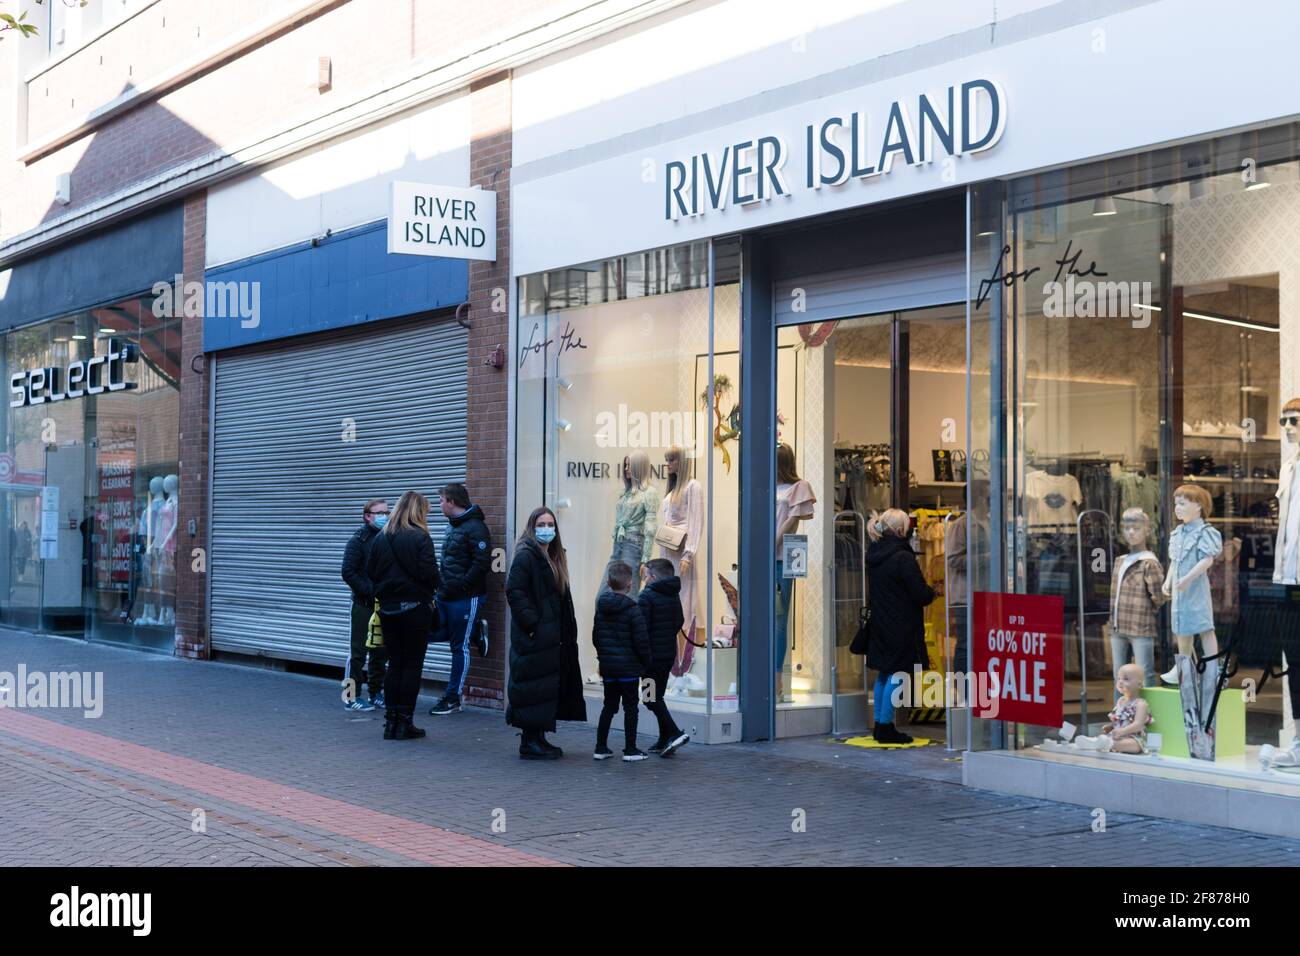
(871, 415)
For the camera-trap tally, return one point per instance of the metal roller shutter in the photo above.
(871, 290)
(288, 486)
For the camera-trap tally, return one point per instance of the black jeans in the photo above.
(357, 670)
(668, 728)
(615, 691)
(406, 638)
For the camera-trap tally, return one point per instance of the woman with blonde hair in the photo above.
(898, 596)
(545, 682)
(636, 517)
(404, 568)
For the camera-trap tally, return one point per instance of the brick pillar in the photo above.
(488, 438)
(191, 585)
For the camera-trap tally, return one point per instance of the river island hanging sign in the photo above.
(860, 145)
(445, 221)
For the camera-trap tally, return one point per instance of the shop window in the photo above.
(1141, 438)
(90, 500)
(628, 422)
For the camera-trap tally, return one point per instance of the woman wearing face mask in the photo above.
(545, 682)
(404, 568)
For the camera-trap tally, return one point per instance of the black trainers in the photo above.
(481, 639)
(658, 746)
(601, 753)
(676, 744)
(448, 705)
(633, 755)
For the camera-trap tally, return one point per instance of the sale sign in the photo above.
(1018, 646)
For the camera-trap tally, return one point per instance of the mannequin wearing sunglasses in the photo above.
(1286, 564)
(1286, 567)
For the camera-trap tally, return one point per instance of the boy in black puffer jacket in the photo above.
(661, 606)
(623, 648)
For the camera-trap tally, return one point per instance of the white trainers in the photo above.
(1286, 758)
(1101, 743)
(1171, 677)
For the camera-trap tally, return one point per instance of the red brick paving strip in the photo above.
(417, 841)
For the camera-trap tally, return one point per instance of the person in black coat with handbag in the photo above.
(403, 567)
(545, 682)
(898, 598)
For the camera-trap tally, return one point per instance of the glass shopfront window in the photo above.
(1136, 323)
(89, 475)
(628, 391)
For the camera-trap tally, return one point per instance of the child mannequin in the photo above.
(1127, 732)
(1137, 592)
(1192, 549)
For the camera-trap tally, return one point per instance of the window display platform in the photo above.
(1230, 794)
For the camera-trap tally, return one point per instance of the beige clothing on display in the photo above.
(687, 513)
(791, 500)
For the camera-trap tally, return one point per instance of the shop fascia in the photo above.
(964, 119)
(54, 383)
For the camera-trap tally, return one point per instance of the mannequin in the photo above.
(635, 518)
(1136, 592)
(1193, 546)
(1127, 731)
(683, 508)
(1286, 570)
(167, 517)
(151, 563)
(795, 503)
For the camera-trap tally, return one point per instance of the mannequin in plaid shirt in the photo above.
(1135, 595)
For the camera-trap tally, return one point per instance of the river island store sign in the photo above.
(445, 221)
(961, 120)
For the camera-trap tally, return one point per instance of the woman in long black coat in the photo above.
(899, 596)
(545, 683)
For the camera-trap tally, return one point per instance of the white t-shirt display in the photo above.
(1052, 499)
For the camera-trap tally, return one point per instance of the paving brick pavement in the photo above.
(286, 777)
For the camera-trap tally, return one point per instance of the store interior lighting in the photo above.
(1105, 206)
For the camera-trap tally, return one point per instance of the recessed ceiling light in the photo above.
(78, 337)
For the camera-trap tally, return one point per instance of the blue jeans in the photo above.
(459, 618)
(883, 705)
(784, 593)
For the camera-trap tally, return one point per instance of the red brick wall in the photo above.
(191, 585)
(488, 438)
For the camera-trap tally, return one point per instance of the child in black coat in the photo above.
(623, 648)
(661, 606)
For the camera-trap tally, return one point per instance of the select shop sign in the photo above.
(444, 221)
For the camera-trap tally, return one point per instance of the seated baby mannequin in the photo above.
(1127, 732)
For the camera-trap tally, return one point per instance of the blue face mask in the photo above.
(380, 521)
(545, 533)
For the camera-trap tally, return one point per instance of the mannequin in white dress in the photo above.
(682, 510)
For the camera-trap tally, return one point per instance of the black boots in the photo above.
(533, 745)
(889, 734)
(399, 726)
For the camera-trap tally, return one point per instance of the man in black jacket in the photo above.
(363, 604)
(661, 606)
(466, 560)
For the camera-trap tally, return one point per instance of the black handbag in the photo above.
(863, 637)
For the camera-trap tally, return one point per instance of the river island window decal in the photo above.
(962, 120)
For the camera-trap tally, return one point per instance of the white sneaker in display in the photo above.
(1286, 758)
(1170, 677)
(692, 683)
(1267, 754)
(1102, 743)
